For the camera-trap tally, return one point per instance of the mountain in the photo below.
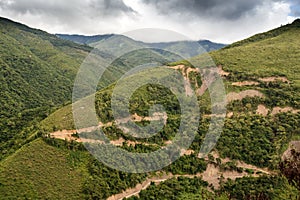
(278, 50)
(80, 39)
(92, 41)
(37, 74)
(261, 77)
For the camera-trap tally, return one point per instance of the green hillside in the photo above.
(38, 171)
(274, 53)
(68, 171)
(37, 73)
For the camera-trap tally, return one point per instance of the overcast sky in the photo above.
(223, 21)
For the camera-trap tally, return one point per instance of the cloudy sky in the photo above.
(218, 20)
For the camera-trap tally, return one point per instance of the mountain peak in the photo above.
(296, 22)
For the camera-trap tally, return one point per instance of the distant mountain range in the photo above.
(94, 40)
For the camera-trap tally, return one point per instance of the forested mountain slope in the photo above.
(261, 77)
(37, 73)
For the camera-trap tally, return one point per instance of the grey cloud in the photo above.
(218, 9)
(69, 9)
(110, 7)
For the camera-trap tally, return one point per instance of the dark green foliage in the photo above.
(291, 168)
(256, 139)
(187, 165)
(36, 73)
(262, 188)
(104, 182)
(175, 189)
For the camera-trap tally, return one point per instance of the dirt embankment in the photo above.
(274, 79)
(232, 96)
(186, 72)
(265, 80)
(207, 77)
(293, 145)
(245, 83)
(70, 134)
(264, 111)
(277, 110)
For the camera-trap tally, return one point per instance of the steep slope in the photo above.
(41, 172)
(37, 73)
(261, 72)
(274, 53)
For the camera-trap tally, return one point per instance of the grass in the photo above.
(40, 171)
(275, 56)
(59, 120)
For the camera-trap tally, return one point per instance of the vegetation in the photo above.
(291, 168)
(264, 187)
(262, 55)
(40, 171)
(37, 72)
(247, 188)
(176, 189)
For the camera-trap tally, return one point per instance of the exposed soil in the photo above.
(186, 72)
(245, 83)
(232, 96)
(274, 79)
(67, 134)
(221, 72)
(293, 145)
(262, 110)
(186, 152)
(230, 114)
(278, 110)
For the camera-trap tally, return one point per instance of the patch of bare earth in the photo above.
(232, 96)
(213, 175)
(185, 72)
(293, 145)
(274, 79)
(69, 134)
(278, 110)
(207, 79)
(262, 110)
(186, 152)
(245, 83)
(221, 72)
(230, 114)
